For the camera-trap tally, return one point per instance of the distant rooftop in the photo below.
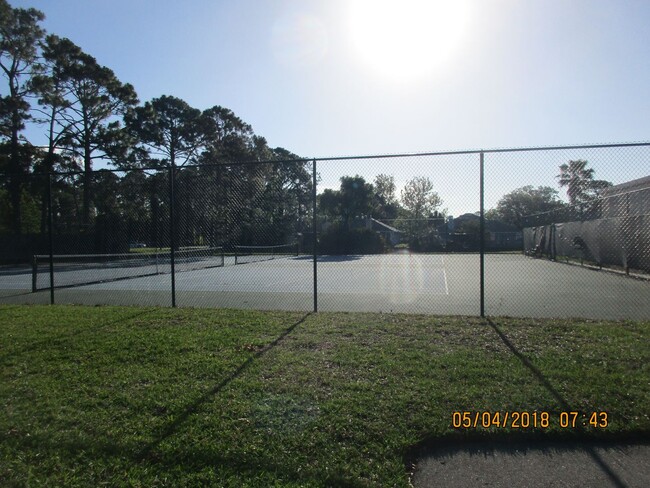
(638, 184)
(388, 227)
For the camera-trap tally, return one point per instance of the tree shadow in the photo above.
(174, 425)
(518, 443)
(15, 270)
(16, 294)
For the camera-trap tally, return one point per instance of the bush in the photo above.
(426, 243)
(338, 240)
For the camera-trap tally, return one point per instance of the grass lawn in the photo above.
(175, 397)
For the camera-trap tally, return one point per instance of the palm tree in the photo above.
(577, 179)
(583, 191)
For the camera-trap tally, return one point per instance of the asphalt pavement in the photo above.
(534, 465)
(448, 284)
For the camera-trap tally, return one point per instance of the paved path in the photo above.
(538, 465)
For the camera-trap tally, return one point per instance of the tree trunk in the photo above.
(87, 179)
(15, 186)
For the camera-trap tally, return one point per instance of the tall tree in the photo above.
(19, 36)
(419, 199)
(385, 202)
(53, 92)
(231, 139)
(172, 129)
(94, 99)
(173, 133)
(385, 188)
(513, 207)
(50, 87)
(420, 205)
(353, 199)
(581, 187)
(356, 198)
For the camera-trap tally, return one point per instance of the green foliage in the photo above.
(355, 197)
(420, 214)
(426, 241)
(385, 205)
(89, 114)
(5, 212)
(169, 127)
(20, 34)
(581, 187)
(338, 239)
(523, 202)
(418, 198)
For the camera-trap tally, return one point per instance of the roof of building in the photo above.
(386, 226)
(468, 216)
(638, 184)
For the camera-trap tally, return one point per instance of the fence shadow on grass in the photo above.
(192, 407)
(14, 295)
(588, 448)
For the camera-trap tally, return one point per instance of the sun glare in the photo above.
(407, 39)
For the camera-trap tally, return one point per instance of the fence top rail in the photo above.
(489, 151)
(345, 158)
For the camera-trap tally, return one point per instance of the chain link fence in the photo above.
(550, 232)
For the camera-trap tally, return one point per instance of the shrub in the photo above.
(426, 243)
(339, 240)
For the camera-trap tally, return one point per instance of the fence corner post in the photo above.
(172, 231)
(314, 237)
(482, 232)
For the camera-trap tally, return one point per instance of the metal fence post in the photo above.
(50, 235)
(482, 233)
(172, 232)
(314, 238)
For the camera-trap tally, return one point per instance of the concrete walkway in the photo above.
(532, 465)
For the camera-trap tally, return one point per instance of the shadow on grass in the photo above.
(17, 294)
(515, 442)
(173, 426)
(616, 481)
(254, 465)
(244, 465)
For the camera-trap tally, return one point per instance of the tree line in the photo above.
(416, 213)
(87, 115)
(583, 192)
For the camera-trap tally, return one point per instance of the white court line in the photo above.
(444, 275)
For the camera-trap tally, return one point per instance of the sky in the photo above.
(326, 78)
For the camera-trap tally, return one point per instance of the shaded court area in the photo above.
(445, 284)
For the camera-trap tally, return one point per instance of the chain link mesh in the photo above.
(565, 233)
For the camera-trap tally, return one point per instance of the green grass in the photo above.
(182, 397)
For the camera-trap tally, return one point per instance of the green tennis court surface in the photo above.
(412, 283)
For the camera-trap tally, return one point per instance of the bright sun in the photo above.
(407, 39)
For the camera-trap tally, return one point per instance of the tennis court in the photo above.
(515, 285)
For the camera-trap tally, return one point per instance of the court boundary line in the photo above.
(444, 275)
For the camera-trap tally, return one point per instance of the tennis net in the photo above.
(86, 269)
(253, 254)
